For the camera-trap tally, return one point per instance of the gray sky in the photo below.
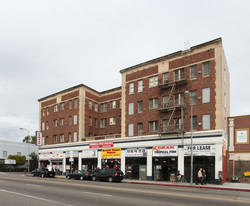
(50, 45)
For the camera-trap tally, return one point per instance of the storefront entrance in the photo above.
(164, 167)
(204, 162)
(89, 164)
(111, 163)
(136, 168)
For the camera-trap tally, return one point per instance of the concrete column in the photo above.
(123, 160)
(79, 160)
(39, 163)
(181, 160)
(64, 164)
(99, 160)
(149, 164)
(218, 160)
(231, 135)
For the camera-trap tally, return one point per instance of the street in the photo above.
(16, 189)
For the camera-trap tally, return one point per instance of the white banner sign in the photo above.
(10, 162)
(135, 152)
(72, 153)
(44, 156)
(38, 138)
(57, 155)
(200, 150)
(89, 154)
(163, 151)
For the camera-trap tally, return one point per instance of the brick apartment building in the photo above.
(144, 125)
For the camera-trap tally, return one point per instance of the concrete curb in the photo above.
(193, 186)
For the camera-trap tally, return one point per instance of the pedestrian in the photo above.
(204, 177)
(178, 176)
(199, 177)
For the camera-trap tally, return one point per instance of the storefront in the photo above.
(111, 158)
(136, 163)
(71, 161)
(203, 157)
(44, 159)
(89, 160)
(165, 162)
(56, 162)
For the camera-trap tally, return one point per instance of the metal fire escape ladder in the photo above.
(171, 101)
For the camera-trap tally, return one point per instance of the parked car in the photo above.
(110, 175)
(79, 174)
(42, 172)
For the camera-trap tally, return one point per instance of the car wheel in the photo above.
(81, 178)
(68, 177)
(94, 178)
(42, 175)
(110, 179)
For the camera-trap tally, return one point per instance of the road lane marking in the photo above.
(34, 197)
(132, 190)
(92, 193)
(33, 185)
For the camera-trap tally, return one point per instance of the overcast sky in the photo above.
(50, 45)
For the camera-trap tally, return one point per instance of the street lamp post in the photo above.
(191, 130)
(28, 147)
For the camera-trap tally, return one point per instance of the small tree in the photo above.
(20, 160)
(33, 156)
(32, 140)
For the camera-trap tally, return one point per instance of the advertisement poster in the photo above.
(200, 150)
(101, 144)
(163, 151)
(111, 153)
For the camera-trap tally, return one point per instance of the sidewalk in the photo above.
(244, 187)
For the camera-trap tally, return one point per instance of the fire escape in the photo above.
(172, 105)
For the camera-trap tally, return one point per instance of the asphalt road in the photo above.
(19, 190)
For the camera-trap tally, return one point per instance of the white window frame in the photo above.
(90, 105)
(166, 78)
(153, 126)
(55, 138)
(112, 105)
(193, 95)
(206, 95)
(153, 81)
(43, 126)
(206, 69)
(140, 106)
(140, 86)
(104, 107)
(47, 125)
(112, 121)
(55, 123)
(61, 137)
(62, 106)
(206, 121)
(140, 128)
(131, 130)
(193, 72)
(75, 120)
(131, 108)
(56, 108)
(179, 74)
(62, 122)
(131, 88)
(103, 123)
(96, 107)
(70, 104)
(75, 136)
(153, 103)
(75, 103)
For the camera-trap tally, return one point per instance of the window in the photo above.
(55, 123)
(193, 72)
(153, 126)
(96, 123)
(90, 105)
(70, 120)
(96, 107)
(70, 104)
(47, 110)
(140, 86)
(61, 137)
(43, 126)
(140, 128)
(195, 122)
(205, 95)
(75, 136)
(55, 138)
(153, 82)
(62, 122)
(5, 154)
(165, 125)
(206, 121)
(70, 137)
(131, 108)
(43, 112)
(104, 107)
(153, 103)
(112, 104)
(193, 95)
(177, 123)
(62, 105)
(179, 98)
(55, 108)
(179, 74)
(131, 130)
(140, 107)
(131, 88)
(165, 101)
(90, 121)
(112, 121)
(19, 153)
(75, 119)
(103, 123)
(47, 125)
(165, 78)
(76, 103)
(206, 69)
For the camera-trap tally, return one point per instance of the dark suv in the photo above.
(110, 175)
(42, 172)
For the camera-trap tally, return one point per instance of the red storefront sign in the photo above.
(101, 144)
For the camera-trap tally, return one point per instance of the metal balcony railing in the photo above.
(174, 128)
(111, 136)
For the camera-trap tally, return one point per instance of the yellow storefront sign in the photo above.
(111, 153)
